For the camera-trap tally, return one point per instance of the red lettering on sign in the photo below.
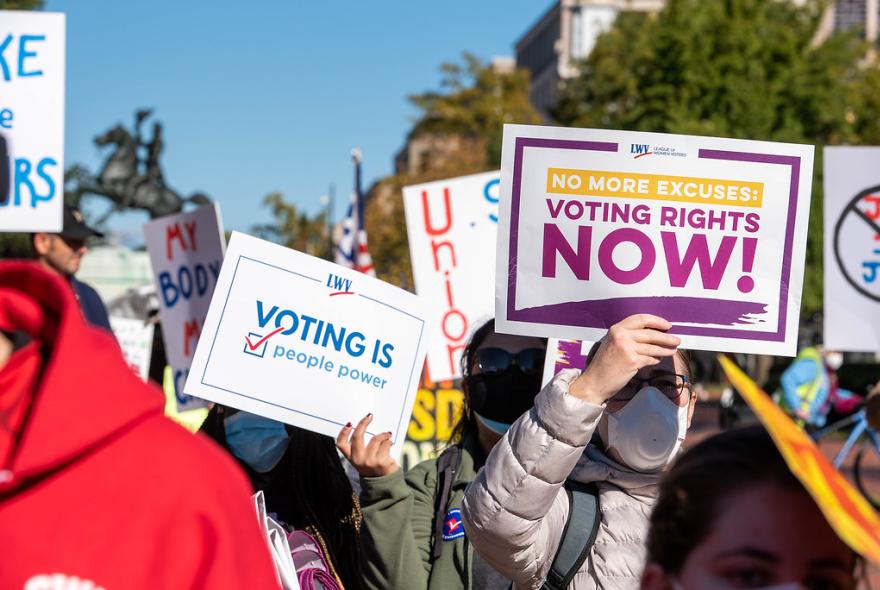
(435, 248)
(191, 231)
(191, 331)
(454, 324)
(172, 232)
(426, 214)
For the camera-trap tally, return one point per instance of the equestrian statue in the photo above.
(130, 181)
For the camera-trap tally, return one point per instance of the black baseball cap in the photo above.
(75, 227)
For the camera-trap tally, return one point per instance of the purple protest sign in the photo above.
(564, 354)
(598, 225)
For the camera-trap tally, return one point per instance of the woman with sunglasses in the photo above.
(635, 396)
(412, 535)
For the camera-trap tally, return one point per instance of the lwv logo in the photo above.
(639, 149)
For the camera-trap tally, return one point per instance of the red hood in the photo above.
(86, 394)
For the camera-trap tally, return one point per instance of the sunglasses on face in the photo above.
(494, 361)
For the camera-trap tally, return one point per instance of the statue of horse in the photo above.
(122, 163)
(122, 182)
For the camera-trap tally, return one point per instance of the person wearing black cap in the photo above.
(63, 252)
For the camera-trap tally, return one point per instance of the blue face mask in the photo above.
(257, 441)
(499, 428)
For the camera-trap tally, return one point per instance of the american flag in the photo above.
(351, 251)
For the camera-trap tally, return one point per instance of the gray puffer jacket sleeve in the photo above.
(516, 508)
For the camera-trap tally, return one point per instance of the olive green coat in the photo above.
(398, 528)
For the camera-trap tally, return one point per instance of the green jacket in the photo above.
(398, 527)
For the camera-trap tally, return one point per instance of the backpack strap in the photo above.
(583, 516)
(447, 465)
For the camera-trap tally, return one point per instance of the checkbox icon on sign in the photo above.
(255, 344)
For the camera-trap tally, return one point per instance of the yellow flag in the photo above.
(848, 513)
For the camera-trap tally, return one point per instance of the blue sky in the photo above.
(269, 96)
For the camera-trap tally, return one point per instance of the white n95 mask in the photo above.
(834, 360)
(648, 431)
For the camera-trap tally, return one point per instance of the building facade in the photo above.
(845, 15)
(568, 30)
(564, 34)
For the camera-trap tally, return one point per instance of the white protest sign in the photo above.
(308, 342)
(186, 250)
(452, 227)
(852, 248)
(597, 225)
(32, 119)
(136, 340)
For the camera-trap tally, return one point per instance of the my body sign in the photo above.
(452, 226)
(186, 250)
(308, 342)
(32, 119)
(709, 233)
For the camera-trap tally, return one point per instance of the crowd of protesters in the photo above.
(582, 484)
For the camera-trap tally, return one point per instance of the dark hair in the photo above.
(310, 491)
(694, 491)
(466, 422)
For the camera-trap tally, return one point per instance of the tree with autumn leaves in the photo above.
(459, 131)
(751, 69)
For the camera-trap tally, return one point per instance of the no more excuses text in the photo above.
(313, 362)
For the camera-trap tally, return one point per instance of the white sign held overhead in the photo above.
(186, 251)
(136, 340)
(597, 225)
(32, 119)
(308, 342)
(852, 248)
(452, 227)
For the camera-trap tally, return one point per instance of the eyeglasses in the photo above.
(670, 384)
(494, 361)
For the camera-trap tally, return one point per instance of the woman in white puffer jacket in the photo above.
(636, 394)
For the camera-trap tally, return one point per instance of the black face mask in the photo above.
(504, 397)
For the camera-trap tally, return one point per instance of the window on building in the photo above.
(587, 23)
(850, 14)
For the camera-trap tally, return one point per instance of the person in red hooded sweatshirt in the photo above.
(98, 490)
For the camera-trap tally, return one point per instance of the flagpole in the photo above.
(356, 158)
(331, 211)
(362, 260)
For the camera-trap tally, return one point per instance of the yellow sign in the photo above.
(848, 513)
(189, 419)
(435, 414)
(661, 187)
